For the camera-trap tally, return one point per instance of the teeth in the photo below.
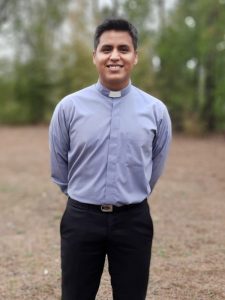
(114, 67)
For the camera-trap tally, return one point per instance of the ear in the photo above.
(136, 58)
(93, 57)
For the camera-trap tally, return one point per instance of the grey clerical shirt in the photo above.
(109, 147)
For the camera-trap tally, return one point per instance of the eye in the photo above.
(124, 49)
(106, 49)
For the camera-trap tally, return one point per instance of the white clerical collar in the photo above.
(112, 94)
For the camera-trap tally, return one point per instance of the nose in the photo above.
(114, 55)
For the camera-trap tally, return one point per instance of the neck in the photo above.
(115, 86)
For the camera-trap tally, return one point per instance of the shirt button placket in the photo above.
(110, 194)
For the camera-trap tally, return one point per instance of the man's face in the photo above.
(114, 59)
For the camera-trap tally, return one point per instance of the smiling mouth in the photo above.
(114, 67)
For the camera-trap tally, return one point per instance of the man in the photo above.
(108, 146)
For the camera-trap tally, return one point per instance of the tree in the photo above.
(191, 48)
(76, 69)
(33, 25)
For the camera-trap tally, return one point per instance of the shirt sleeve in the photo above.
(59, 147)
(160, 149)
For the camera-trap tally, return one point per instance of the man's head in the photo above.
(116, 25)
(115, 52)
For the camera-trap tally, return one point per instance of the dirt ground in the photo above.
(187, 206)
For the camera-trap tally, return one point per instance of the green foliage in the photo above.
(6, 101)
(32, 25)
(31, 90)
(143, 76)
(139, 12)
(192, 65)
(77, 70)
(50, 62)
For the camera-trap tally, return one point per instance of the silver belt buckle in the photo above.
(107, 208)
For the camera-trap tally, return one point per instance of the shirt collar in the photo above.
(113, 94)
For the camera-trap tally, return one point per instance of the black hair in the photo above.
(117, 25)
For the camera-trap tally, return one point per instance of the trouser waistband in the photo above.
(105, 208)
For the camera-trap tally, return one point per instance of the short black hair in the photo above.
(116, 24)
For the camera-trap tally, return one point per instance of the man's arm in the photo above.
(59, 147)
(160, 147)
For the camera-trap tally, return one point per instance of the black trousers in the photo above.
(88, 235)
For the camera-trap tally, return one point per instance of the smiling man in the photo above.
(114, 57)
(108, 145)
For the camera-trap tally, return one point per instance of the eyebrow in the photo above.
(111, 46)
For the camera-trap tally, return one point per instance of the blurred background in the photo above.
(46, 53)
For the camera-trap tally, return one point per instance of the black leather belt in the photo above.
(105, 208)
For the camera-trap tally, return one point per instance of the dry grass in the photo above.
(187, 206)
